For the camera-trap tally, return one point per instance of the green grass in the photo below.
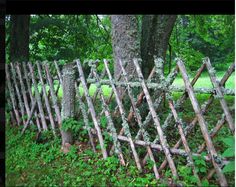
(203, 82)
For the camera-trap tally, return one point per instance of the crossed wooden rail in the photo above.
(42, 106)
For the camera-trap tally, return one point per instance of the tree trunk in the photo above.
(156, 31)
(125, 43)
(19, 41)
(68, 102)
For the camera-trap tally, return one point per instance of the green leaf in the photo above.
(229, 141)
(205, 183)
(229, 152)
(230, 167)
(203, 169)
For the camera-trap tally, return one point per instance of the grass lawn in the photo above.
(203, 82)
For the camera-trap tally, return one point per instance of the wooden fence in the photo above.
(131, 112)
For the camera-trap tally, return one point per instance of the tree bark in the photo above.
(156, 32)
(19, 41)
(68, 100)
(125, 43)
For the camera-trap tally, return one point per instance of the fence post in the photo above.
(68, 100)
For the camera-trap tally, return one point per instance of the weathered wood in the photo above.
(26, 104)
(227, 74)
(139, 120)
(68, 100)
(179, 102)
(18, 94)
(29, 90)
(158, 147)
(213, 132)
(58, 71)
(225, 91)
(124, 120)
(157, 102)
(92, 110)
(30, 117)
(169, 80)
(12, 96)
(53, 95)
(118, 79)
(85, 116)
(219, 94)
(210, 174)
(111, 126)
(156, 121)
(46, 98)
(38, 98)
(204, 107)
(202, 123)
(134, 117)
(184, 140)
(59, 77)
(172, 88)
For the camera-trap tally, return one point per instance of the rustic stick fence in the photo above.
(33, 91)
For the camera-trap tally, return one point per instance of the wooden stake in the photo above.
(111, 125)
(38, 98)
(46, 99)
(30, 117)
(122, 112)
(223, 103)
(184, 140)
(85, 116)
(156, 121)
(18, 94)
(202, 123)
(92, 110)
(204, 107)
(12, 96)
(29, 89)
(53, 95)
(139, 120)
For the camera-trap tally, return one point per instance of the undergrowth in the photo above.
(43, 164)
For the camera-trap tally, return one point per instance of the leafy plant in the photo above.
(103, 121)
(229, 153)
(200, 163)
(71, 124)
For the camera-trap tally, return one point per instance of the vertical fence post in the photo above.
(68, 100)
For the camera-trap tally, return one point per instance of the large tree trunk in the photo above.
(19, 41)
(125, 43)
(156, 31)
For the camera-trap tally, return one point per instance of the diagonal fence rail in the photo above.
(132, 120)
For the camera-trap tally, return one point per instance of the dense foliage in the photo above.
(197, 36)
(67, 37)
